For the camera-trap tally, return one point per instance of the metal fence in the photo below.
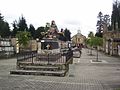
(33, 57)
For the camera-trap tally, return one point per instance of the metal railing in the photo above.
(26, 56)
(33, 57)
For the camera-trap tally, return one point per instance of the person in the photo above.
(80, 48)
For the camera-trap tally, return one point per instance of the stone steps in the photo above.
(41, 68)
(38, 69)
(34, 72)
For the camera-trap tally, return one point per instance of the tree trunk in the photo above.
(91, 51)
(97, 55)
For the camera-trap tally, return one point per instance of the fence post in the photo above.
(32, 57)
(17, 66)
(48, 59)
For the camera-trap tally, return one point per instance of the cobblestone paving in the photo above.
(83, 75)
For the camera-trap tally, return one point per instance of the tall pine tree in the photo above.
(4, 28)
(22, 25)
(32, 31)
(115, 18)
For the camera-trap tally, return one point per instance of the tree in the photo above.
(91, 34)
(39, 33)
(99, 25)
(4, 28)
(15, 28)
(32, 31)
(90, 40)
(97, 41)
(115, 18)
(1, 17)
(23, 38)
(22, 25)
(67, 34)
(106, 20)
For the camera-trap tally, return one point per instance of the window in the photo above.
(53, 45)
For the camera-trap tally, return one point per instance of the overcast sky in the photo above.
(72, 14)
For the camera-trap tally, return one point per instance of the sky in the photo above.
(72, 14)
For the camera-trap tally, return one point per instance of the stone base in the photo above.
(99, 61)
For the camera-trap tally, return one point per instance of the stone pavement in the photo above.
(83, 75)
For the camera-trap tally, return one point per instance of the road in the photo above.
(83, 75)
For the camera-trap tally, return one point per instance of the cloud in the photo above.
(72, 22)
(71, 14)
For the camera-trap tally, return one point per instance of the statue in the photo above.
(53, 30)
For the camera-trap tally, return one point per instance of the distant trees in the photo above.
(65, 35)
(91, 34)
(32, 31)
(40, 32)
(105, 19)
(115, 18)
(61, 35)
(99, 24)
(21, 26)
(14, 31)
(89, 41)
(102, 20)
(4, 27)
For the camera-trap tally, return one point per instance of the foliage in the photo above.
(90, 41)
(99, 24)
(67, 34)
(115, 18)
(32, 31)
(91, 34)
(95, 41)
(15, 29)
(106, 20)
(98, 41)
(4, 28)
(22, 25)
(102, 20)
(39, 33)
(1, 17)
(23, 38)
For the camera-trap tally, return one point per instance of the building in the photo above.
(78, 39)
(111, 43)
(6, 47)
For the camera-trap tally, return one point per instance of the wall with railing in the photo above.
(35, 58)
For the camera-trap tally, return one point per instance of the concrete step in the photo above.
(40, 63)
(33, 72)
(40, 68)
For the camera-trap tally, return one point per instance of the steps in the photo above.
(36, 69)
(45, 68)
(34, 72)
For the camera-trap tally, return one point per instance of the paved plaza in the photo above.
(83, 75)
